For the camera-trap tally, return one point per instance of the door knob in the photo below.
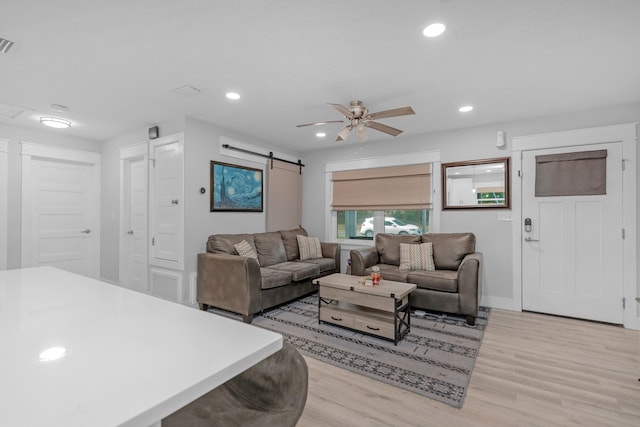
(130, 232)
(529, 239)
(87, 231)
(174, 201)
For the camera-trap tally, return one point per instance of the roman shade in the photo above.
(398, 187)
(571, 174)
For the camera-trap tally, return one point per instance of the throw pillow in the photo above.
(416, 257)
(245, 249)
(309, 247)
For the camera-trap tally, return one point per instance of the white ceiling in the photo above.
(116, 63)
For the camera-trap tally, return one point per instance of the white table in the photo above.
(131, 359)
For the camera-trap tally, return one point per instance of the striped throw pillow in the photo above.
(416, 257)
(309, 247)
(245, 249)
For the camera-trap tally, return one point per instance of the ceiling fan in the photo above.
(360, 119)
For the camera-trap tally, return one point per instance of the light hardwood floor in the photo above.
(532, 370)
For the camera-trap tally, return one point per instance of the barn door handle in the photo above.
(87, 231)
(529, 239)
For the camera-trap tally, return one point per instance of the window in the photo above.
(363, 225)
(393, 200)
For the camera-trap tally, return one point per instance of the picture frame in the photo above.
(476, 184)
(236, 188)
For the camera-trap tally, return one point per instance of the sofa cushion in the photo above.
(450, 248)
(245, 249)
(416, 256)
(309, 247)
(299, 270)
(390, 272)
(388, 246)
(270, 278)
(270, 248)
(290, 241)
(224, 243)
(437, 280)
(325, 264)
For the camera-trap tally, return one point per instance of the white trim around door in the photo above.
(623, 133)
(35, 153)
(4, 202)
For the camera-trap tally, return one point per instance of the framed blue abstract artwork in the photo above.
(236, 188)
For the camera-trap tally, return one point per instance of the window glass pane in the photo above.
(350, 224)
(406, 221)
(360, 225)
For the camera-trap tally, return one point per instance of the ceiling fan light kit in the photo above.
(360, 119)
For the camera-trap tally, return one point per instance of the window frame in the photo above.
(331, 222)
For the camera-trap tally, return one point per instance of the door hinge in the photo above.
(153, 241)
(623, 233)
(624, 303)
(153, 162)
(624, 162)
(520, 174)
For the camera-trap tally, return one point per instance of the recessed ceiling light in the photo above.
(434, 30)
(52, 353)
(55, 122)
(233, 95)
(321, 134)
(465, 109)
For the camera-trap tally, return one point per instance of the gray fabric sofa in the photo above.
(453, 287)
(247, 286)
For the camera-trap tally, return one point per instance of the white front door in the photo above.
(64, 221)
(133, 255)
(572, 257)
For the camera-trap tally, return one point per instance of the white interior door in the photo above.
(64, 220)
(133, 249)
(167, 204)
(572, 258)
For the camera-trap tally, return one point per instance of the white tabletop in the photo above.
(131, 359)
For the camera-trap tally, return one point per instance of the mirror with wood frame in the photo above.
(476, 184)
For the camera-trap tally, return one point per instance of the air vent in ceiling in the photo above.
(12, 111)
(187, 91)
(5, 45)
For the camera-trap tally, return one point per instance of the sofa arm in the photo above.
(331, 250)
(470, 284)
(362, 259)
(230, 282)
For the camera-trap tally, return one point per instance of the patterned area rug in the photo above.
(435, 358)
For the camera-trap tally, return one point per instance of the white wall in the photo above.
(494, 238)
(15, 135)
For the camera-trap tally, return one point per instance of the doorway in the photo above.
(60, 209)
(134, 260)
(575, 256)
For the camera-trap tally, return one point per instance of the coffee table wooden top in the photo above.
(386, 288)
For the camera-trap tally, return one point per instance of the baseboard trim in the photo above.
(497, 302)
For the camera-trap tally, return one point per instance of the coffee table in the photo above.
(381, 310)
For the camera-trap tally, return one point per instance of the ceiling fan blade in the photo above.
(344, 133)
(361, 134)
(320, 123)
(344, 110)
(404, 111)
(383, 128)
